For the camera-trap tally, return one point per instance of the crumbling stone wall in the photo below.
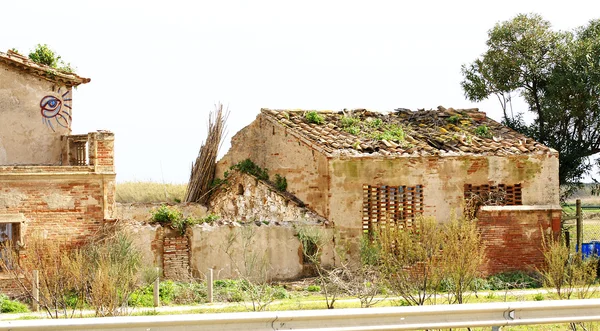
(245, 198)
(272, 146)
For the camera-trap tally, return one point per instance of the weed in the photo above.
(354, 130)
(349, 121)
(166, 214)
(11, 306)
(314, 117)
(454, 119)
(210, 218)
(313, 288)
(538, 297)
(280, 183)
(483, 131)
(392, 132)
(249, 167)
(376, 123)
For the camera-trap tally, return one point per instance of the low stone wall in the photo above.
(513, 235)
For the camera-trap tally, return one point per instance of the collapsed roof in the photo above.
(442, 132)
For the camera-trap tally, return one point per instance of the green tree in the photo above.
(556, 73)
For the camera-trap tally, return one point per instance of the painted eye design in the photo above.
(53, 111)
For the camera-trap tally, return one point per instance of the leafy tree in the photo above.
(557, 74)
(42, 54)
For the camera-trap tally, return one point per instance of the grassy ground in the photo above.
(130, 192)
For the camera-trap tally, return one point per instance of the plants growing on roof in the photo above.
(392, 132)
(42, 54)
(453, 119)
(314, 117)
(375, 123)
(483, 131)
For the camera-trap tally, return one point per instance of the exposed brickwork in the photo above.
(513, 236)
(176, 258)
(65, 209)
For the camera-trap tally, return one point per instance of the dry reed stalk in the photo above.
(203, 170)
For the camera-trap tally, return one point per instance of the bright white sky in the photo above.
(158, 67)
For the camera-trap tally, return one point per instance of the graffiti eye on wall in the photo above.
(57, 109)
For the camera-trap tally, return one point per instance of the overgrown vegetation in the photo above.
(102, 274)
(173, 217)
(314, 117)
(483, 131)
(391, 132)
(280, 183)
(12, 306)
(248, 167)
(43, 54)
(569, 274)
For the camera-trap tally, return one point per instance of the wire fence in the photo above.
(590, 228)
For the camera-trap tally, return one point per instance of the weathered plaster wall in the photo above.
(270, 145)
(245, 198)
(443, 180)
(26, 135)
(513, 235)
(208, 244)
(278, 245)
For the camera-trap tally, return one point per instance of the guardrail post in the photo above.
(35, 291)
(496, 328)
(209, 284)
(156, 290)
(579, 224)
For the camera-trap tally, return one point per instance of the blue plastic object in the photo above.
(596, 247)
(587, 250)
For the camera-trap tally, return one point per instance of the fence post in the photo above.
(156, 288)
(209, 284)
(36, 291)
(579, 224)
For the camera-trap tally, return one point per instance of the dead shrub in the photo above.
(463, 256)
(569, 274)
(410, 260)
(102, 273)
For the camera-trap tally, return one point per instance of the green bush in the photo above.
(249, 167)
(12, 306)
(166, 214)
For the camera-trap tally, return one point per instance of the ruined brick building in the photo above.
(360, 169)
(51, 182)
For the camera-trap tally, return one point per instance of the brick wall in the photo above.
(176, 258)
(65, 209)
(513, 235)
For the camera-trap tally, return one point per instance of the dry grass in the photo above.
(130, 192)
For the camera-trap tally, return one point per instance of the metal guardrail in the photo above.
(354, 319)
